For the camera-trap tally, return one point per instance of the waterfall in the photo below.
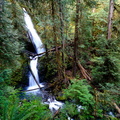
(39, 48)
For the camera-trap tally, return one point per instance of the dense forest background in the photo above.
(81, 65)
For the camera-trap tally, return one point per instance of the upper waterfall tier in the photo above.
(39, 47)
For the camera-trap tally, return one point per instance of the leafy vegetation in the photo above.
(77, 31)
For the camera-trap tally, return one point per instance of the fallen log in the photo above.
(116, 106)
(30, 90)
(51, 50)
(35, 79)
(83, 71)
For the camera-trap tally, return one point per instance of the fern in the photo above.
(15, 114)
(79, 91)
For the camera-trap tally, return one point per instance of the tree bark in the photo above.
(110, 16)
(61, 15)
(76, 38)
(55, 40)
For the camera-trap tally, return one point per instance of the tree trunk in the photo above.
(110, 15)
(76, 38)
(61, 15)
(55, 40)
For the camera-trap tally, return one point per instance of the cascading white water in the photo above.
(36, 41)
(33, 34)
(38, 47)
(33, 65)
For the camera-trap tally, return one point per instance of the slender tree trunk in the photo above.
(54, 28)
(46, 53)
(110, 15)
(62, 28)
(55, 40)
(76, 37)
(61, 15)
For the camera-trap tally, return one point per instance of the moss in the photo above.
(61, 98)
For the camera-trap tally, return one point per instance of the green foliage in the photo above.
(92, 107)
(105, 60)
(11, 35)
(8, 94)
(112, 92)
(41, 111)
(11, 42)
(79, 91)
(5, 76)
(12, 108)
(69, 110)
(13, 113)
